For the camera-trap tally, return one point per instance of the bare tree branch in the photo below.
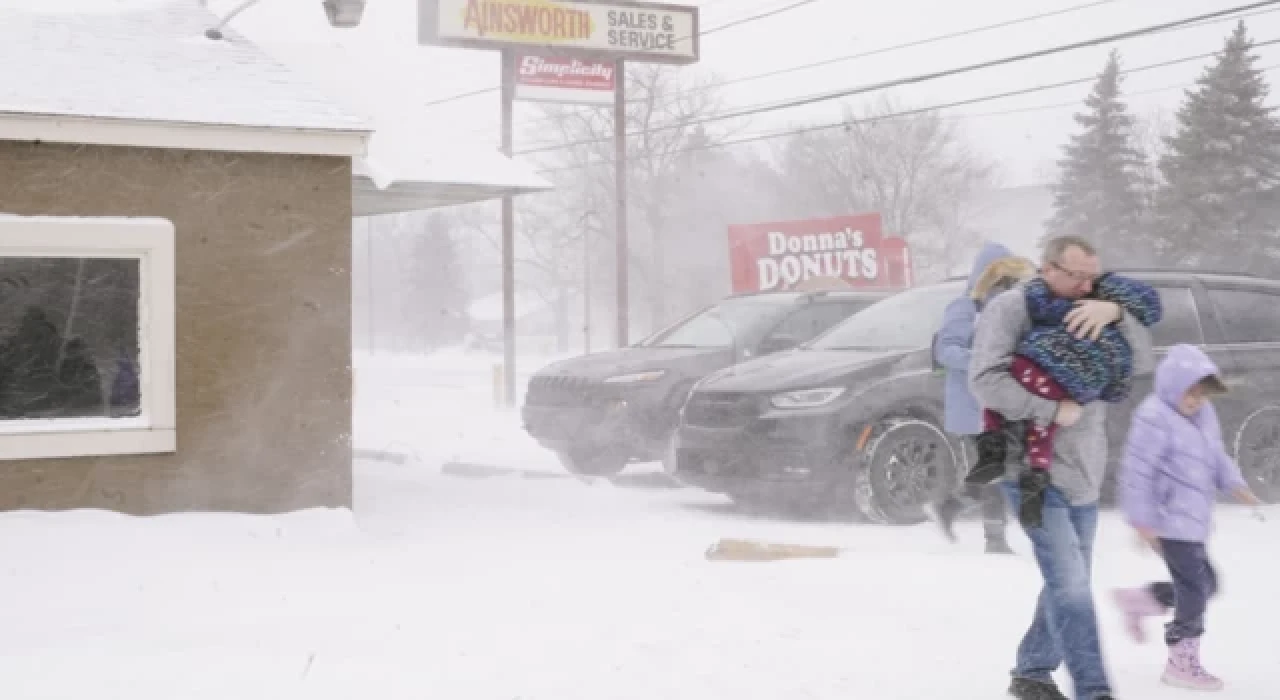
(915, 170)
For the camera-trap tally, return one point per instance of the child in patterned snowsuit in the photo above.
(1054, 364)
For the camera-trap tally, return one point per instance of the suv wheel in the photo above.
(1257, 449)
(908, 464)
(586, 461)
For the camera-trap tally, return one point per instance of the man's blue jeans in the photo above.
(1065, 626)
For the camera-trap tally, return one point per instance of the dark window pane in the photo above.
(808, 322)
(68, 337)
(722, 325)
(803, 324)
(907, 320)
(1247, 317)
(1180, 322)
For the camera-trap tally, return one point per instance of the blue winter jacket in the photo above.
(962, 414)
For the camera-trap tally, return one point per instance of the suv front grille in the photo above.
(723, 464)
(562, 391)
(712, 410)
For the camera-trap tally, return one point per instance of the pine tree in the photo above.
(1100, 194)
(1220, 168)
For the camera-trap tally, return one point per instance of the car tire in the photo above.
(1257, 451)
(581, 461)
(907, 464)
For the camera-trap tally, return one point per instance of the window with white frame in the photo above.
(86, 337)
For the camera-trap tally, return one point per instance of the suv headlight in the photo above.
(636, 377)
(807, 398)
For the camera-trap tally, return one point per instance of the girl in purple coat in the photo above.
(1174, 467)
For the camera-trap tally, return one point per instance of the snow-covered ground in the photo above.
(549, 589)
(441, 409)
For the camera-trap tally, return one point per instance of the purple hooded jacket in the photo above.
(1175, 466)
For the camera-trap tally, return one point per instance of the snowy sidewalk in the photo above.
(549, 590)
(438, 412)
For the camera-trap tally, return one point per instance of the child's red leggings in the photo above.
(1039, 438)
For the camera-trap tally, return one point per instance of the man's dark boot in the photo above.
(1032, 484)
(992, 448)
(1027, 689)
(945, 514)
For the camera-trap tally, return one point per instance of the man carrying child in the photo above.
(1064, 626)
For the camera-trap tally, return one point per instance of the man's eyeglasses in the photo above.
(1076, 275)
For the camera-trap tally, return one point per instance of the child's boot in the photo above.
(1184, 669)
(1032, 484)
(1136, 604)
(997, 544)
(992, 448)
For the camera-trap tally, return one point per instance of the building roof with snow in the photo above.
(402, 173)
(417, 158)
(143, 73)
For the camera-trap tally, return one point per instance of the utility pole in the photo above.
(508, 239)
(620, 182)
(586, 286)
(370, 272)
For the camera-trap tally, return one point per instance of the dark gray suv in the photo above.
(851, 421)
(602, 411)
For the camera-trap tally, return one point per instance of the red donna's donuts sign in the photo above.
(842, 252)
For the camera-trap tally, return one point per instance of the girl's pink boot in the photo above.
(1136, 604)
(1184, 669)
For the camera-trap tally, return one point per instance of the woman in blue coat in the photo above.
(995, 270)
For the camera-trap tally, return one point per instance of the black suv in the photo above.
(851, 420)
(600, 412)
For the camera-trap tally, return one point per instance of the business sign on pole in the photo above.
(564, 79)
(640, 31)
(843, 252)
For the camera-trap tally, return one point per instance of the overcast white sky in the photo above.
(380, 68)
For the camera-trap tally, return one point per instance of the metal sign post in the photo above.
(508, 238)
(590, 30)
(621, 250)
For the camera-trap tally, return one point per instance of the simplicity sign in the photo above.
(649, 32)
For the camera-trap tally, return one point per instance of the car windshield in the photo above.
(903, 321)
(722, 325)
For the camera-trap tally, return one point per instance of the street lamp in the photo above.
(342, 14)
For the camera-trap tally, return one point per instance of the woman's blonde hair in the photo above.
(1011, 268)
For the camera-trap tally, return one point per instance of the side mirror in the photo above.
(778, 343)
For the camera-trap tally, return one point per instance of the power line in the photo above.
(461, 96)
(922, 110)
(787, 104)
(921, 78)
(975, 30)
(670, 99)
(874, 52)
(770, 13)
(914, 44)
(1076, 103)
(935, 39)
(702, 33)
